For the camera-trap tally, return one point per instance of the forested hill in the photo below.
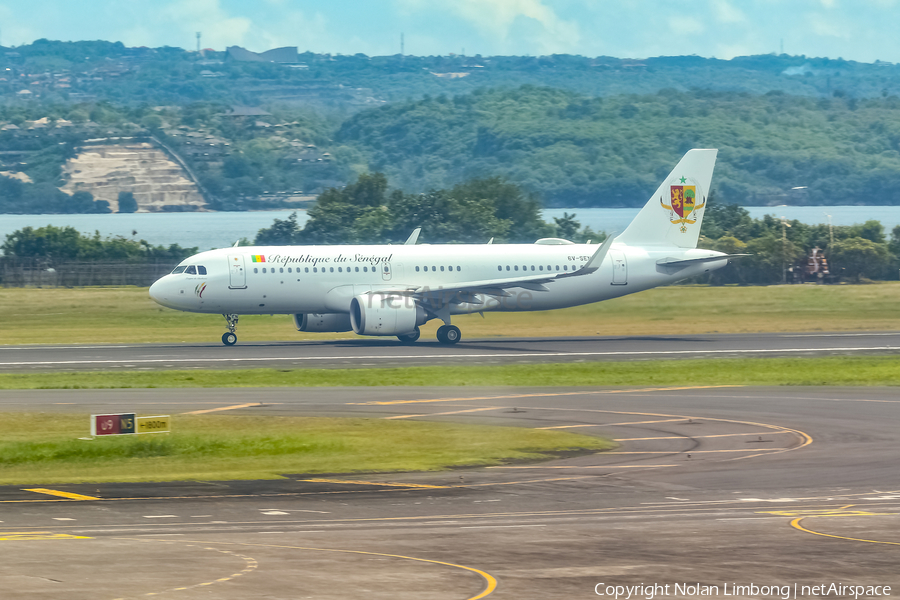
(574, 150)
(61, 72)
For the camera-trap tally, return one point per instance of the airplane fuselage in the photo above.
(392, 290)
(324, 279)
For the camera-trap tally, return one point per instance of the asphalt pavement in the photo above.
(377, 352)
(723, 487)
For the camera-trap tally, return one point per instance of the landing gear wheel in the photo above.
(448, 334)
(409, 338)
(229, 338)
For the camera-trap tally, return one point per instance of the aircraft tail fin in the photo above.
(673, 215)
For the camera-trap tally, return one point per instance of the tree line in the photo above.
(58, 245)
(369, 211)
(778, 248)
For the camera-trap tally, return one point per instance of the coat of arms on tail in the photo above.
(682, 202)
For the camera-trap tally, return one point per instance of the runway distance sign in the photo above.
(158, 424)
(128, 423)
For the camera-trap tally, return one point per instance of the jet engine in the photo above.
(385, 314)
(325, 323)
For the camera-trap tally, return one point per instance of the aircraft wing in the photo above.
(464, 291)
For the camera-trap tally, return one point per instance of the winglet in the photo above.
(596, 258)
(413, 237)
(600, 254)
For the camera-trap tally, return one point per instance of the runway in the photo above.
(369, 352)
(710, 486)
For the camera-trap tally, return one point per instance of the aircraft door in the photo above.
(620, 267)
(236, 273)
(386, 271)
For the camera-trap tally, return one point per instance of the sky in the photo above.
(861, 30)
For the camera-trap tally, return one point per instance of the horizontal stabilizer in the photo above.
(673, 265)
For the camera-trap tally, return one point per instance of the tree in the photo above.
(566, 226)
(894, 244)
(81, 202)
(127, 203)
(734, 271)
(57, 244)
(282, 233)
(858, 257)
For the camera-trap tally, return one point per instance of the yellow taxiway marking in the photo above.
(383, 483)
(452, 412)
(68, 495)
(251, 565)
(834, 512)
(209, 410)
(609, 424)
(697, 451)
(17, 536)
(796, 525)
(490, 582)
(544, 395)
(695, 437)
(590, 467)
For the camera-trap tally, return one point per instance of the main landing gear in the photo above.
(229, 338)
(448, 334)
(409, 338)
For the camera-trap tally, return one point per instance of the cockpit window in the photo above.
(179, 270)
(201, 270)
(191, 270)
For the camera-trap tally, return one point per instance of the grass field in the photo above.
(43, 448)
(117, 315)
(884, 371)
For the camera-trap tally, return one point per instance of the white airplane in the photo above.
(392, 290)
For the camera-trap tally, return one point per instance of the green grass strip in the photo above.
(880, 371)
(44, 449)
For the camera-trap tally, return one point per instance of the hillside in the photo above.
(62, 72)
(572, 130)
(573, 150)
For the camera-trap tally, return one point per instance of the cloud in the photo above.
(682, 25)
(207, 16)
(833, 28)
(508, 21)
(726, 13)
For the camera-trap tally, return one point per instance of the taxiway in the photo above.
(718, 486)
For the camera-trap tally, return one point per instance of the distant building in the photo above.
(287, 55)
(247, 111)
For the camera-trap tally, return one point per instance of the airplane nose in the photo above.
(161, 293)
(155, 291)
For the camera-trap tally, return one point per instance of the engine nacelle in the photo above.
(385, 314)
(325, 323)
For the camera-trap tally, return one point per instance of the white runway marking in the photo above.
(498, 526)
(171, 361)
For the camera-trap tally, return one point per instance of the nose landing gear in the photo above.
(229, 338)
